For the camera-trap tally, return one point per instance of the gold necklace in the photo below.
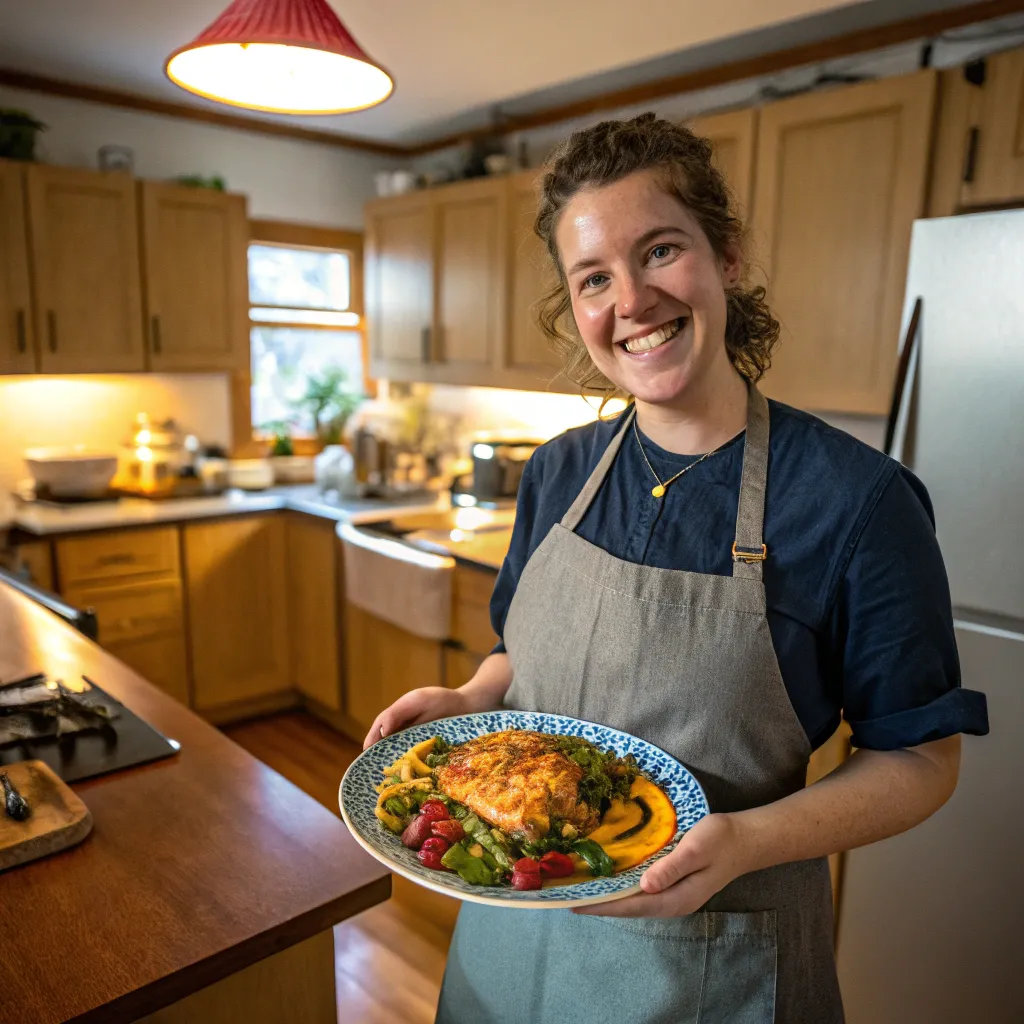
(659, 491)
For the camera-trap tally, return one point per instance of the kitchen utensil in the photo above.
(357, 798)
(498, 466)
(71, 472)
(497, 163)
(57, 817)
(250, 474)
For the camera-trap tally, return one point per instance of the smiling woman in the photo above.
(689, 202)
(729, 610)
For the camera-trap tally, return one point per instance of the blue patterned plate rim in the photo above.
(357, 800)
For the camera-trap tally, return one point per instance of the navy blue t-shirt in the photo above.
(857, 597)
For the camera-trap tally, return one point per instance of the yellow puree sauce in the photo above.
(623, 815)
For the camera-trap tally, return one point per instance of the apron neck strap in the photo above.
(748, 550)
(583, 501)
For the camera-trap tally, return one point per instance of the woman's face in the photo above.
(647, 290)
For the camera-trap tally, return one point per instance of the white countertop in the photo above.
(44, 520)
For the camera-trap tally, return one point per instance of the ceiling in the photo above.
(454, 61)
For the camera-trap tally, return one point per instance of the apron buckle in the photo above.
(749, 555)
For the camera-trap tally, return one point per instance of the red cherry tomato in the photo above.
(435, 844)
(434, 810)
(450, 829)
(527, 866)
(525, 880)
(416, 831)
(556, 865)
(431, 859)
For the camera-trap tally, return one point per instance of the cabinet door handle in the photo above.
(425, 345)
(19, 327)
(156, 335)
(971, 157)
(51, 327)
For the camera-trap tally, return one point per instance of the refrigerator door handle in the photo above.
(902, 368)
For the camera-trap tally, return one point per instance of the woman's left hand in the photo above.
(706, 860)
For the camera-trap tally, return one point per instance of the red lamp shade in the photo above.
(283, 56)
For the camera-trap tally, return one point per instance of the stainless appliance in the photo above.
(929, 924)
(498, 465)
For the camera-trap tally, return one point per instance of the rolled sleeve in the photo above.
(893, 631)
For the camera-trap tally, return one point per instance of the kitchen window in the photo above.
(305, 312)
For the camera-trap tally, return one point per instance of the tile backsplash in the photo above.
(98, 411)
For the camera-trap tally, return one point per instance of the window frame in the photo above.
(248, 440)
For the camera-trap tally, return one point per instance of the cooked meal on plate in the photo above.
(523, 808)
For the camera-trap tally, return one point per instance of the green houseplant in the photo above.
(329, 403)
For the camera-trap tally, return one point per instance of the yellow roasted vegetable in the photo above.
(390, 820)
(411, 765)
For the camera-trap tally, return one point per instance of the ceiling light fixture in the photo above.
(280, 56)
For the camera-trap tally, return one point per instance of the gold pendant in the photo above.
(658, 491)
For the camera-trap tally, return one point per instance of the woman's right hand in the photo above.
(423, 705)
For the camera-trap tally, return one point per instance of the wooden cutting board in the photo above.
(58, 819)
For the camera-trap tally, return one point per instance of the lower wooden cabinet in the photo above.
(314, 622)
(460, 665)
(161, 660)
(382, 662)
(237, 609)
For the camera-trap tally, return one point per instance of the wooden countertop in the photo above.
(197, 866)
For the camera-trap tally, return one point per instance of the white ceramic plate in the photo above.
(357, 798)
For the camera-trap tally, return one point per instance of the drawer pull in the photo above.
(122, 558)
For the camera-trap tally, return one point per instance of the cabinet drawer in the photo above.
(131, 611)
(473, 586)
(102, 556)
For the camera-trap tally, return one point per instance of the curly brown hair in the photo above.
(607, 152)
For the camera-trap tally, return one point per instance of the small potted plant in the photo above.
(328, 403)
(18, 131)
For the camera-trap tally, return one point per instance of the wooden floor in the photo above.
(388, 960)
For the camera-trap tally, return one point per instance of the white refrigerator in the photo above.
(931, 923)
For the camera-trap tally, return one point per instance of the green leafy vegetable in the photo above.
(597, 860)
(470, 869)
(605, 774)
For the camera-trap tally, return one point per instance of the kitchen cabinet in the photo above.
(399, 277)
(733, 137)
(382, 662)
(469, 280)
(840, 177)
(142, 623)
(84, 245)
(236, 574)
(18, 352)
(527, 359)
(994, 158)
(195, 257)
(314, 610)
(131, 579)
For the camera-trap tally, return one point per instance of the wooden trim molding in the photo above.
(922, 26)
(148, 105)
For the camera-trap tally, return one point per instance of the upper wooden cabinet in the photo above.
(527, 357)
(733, 137)
(195, 245)
(17, 337)
(85, 265)
(840, 178)
(994, 171)
(399, 277)
(469, 262)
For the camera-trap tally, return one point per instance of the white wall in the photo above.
(98, 411)
(285, 179)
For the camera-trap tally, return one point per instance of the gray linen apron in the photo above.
(684, 660)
